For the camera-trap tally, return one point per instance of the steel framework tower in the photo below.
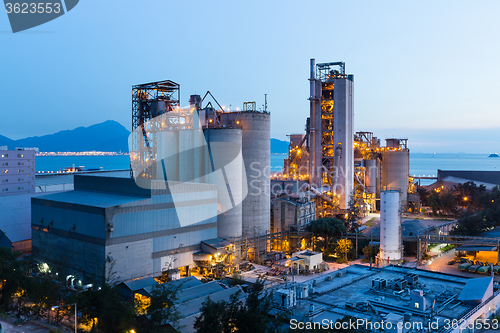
(150, 100)
(332, 130)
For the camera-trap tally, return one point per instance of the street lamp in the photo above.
(57, 306)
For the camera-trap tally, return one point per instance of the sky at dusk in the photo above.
(425, 70)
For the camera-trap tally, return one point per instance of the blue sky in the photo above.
(426, 70)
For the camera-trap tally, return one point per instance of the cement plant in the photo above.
(200, 209)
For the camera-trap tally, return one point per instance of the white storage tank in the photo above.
(256, 149)
(225, 169)
(395, 171)
(390, 228)
(371, 175)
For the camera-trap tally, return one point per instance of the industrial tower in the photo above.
(331, 137)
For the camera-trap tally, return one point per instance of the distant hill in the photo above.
(279, 147)
(5, 141)
(107, 136)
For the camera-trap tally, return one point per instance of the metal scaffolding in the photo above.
(150, 100)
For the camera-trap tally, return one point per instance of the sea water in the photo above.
(421, 164)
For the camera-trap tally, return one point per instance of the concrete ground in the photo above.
(440, 264)
(253, 275)
(9, 327)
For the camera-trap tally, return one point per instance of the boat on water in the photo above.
(74, 169)
(494, 155)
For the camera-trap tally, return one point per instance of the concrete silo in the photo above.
(256, 151)
(390, 228)
(395, 171)
(371, 175)
(225, 165)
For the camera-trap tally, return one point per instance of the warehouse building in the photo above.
(394, 299)
(109, 225)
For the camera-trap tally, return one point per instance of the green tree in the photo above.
(353, 213)
(14, 277)
(342, 247)
(327, 228)
(162, 308)
(219, 317)
(234, 316)
(105, 309)
(371, 252)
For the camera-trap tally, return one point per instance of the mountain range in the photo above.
(107, 136)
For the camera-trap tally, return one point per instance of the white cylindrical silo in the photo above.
(225, 169)
(390, 227)
(256, 148)
(395, 171)
(371, 175)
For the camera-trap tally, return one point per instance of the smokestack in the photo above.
(313, 71)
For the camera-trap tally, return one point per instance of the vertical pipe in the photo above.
(313, 71)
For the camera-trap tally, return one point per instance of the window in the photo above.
(416, 305)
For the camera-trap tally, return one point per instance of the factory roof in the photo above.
(216, 243)
(306, 253)
(90, 198)
(193, 306)
(187, 294)
(476, 289)
(458, 180)
(491, 177)
(146, 284)
(47, 179)
(15, 216)
(476, 248)
(412, 227)
(185, 283)
(350, 291)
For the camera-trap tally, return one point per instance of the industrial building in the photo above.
(331, 130)
(191, 293)
(17, 172)
(108, 222)
(199, 178)
(338, 164)
(201, 173)
(205, 144)
(292, 211)
(400, 299)
(489, 179)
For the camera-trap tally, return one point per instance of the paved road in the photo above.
(25, 328)
(440, 264)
